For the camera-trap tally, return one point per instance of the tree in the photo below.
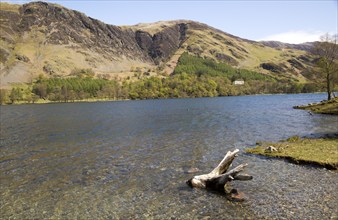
(15, 95)
(3, 96)
(40, 89)
(327, 52)
(65, 93)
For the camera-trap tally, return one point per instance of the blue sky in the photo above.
(283, 20)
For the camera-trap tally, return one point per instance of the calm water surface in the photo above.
(126, 160)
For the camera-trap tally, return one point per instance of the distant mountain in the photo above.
(277, 44)
(44, 38)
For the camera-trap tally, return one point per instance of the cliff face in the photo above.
(164, 43)
(44, 38)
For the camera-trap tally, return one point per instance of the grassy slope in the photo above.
(256, 53)
(324, 107)
(267, 54)
(61, 59)
(153, 28)
(320, 151)
(9, 7)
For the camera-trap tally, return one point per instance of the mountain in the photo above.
(280, 45)
(43, 38)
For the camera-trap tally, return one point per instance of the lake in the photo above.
(129, 159)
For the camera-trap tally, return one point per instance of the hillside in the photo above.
(43, 38)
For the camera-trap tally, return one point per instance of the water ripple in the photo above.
(127, 160)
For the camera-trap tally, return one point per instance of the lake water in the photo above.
(128, 159)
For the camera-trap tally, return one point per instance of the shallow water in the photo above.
(128, 159)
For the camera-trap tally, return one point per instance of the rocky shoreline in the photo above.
(324, 107)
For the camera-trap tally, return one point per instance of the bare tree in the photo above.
(327, 52)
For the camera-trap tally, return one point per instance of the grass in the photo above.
(324, 107)
(315, 151)
(9, 7)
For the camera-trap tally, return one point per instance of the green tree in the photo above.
(3, 96)
(35, 98)
(65, 93)
(40, 89)
(16, 95)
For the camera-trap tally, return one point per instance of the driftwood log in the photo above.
(218, 178)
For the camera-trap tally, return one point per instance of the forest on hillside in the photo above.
(193, 77)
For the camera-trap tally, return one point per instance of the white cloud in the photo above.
(295, 37)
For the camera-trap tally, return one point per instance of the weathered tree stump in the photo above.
(219, 177)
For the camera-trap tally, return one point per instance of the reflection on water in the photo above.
(128, 159)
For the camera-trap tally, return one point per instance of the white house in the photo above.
(238, 82)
